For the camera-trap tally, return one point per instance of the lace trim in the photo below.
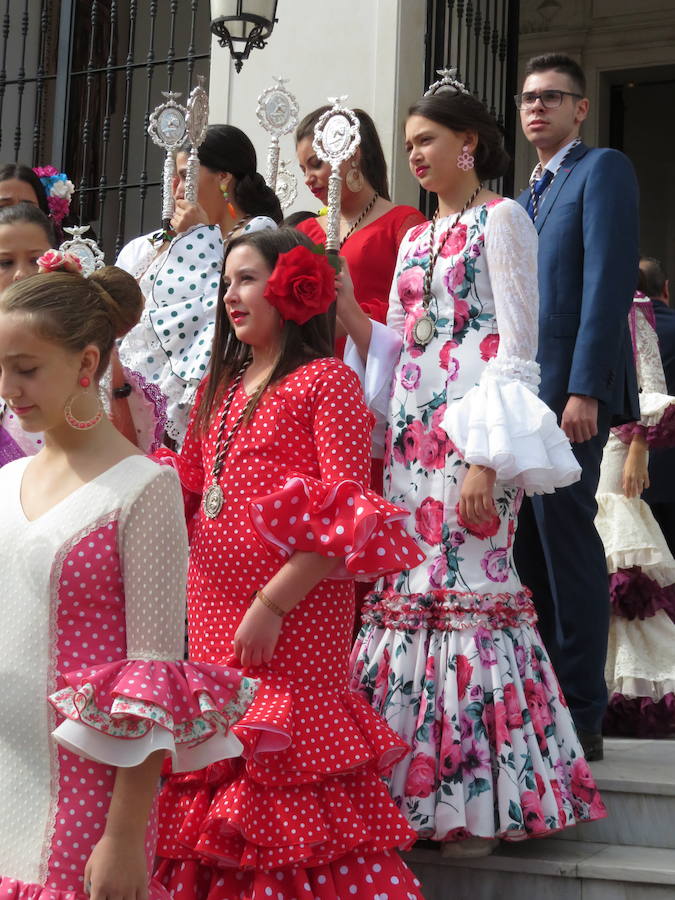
(512, 368)
(153, 396)
(447, 610)
(131, 717)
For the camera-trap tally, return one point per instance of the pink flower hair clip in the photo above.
(56, 261)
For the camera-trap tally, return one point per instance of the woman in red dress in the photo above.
(279, 448)
(371, 227)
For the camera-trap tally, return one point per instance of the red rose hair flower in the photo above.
(301, 286)
(56, 261)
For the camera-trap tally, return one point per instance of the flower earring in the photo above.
(83, 424)
(354, 177)
(465, 160)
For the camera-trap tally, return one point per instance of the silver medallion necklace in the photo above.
(425, 327)
(214, 498)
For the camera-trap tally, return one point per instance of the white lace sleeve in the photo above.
(154, 554)
(384, 351)
(511, 250)
(651, 377)
(501, 423)
(657, 409)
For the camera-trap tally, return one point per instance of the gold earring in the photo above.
(354, 177)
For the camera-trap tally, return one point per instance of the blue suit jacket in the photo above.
(588, 226)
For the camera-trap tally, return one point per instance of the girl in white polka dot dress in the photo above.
(179, 276)
(278, 452)
(93, 553)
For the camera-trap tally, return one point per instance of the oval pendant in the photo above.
(213, 501)
(424, 330)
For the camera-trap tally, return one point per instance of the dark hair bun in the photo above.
(253, 195)
(121, 295)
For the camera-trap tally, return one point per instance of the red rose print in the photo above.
(464, 671)
(421, 776)
(533, 814)
(411, 439)
(480, 530)
(582, 783)
(454, 277)
(446, 353)
(429, 520)
(461, 316)
(488, 346)
(514, 714)
(433, 449)
(455, 242)
(410, 287)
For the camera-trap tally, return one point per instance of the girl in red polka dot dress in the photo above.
(278, 453)
(93, 553)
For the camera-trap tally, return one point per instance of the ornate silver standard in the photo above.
(168, 129)
(277, 112)
(336, 137)
(287, 185)
(197, 121)
(86, 249)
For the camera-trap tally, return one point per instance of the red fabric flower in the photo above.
(56, 261)
(301, 286)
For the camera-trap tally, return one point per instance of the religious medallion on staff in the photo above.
(336, 137)
(277, 112)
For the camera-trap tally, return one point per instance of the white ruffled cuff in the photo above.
(502, 424)
(376, 375)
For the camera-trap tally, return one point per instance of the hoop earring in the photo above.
(465, 160)
(354, 178)
(82, 424)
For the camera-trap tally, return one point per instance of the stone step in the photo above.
(545, 868)
(637, 782)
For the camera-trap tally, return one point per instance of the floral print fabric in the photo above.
(449, 652)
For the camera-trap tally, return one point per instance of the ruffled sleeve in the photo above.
(501, 423)
(657, 408)
(338, 520)
(334, 515)
(120, 712)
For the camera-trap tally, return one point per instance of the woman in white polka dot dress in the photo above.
(279, 448)
(93, 553)
(179, 277)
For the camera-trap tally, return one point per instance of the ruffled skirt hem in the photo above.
(494, 749)
(640, 717)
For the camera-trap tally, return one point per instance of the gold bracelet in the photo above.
(270, 604)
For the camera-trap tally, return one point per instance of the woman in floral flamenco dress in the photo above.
(449, 652)
(279, 448)
(640, 669)
(94, 558)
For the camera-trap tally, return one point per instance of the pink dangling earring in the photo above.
(83, 424)
(465, 160)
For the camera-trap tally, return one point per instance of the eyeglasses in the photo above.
(549, 99)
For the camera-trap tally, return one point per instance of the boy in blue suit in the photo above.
(584, 203)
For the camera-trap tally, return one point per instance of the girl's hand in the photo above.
(476, 503)
(117, 869)
(344, 287)
(257, 635)
(636, 469)
(186, 215)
